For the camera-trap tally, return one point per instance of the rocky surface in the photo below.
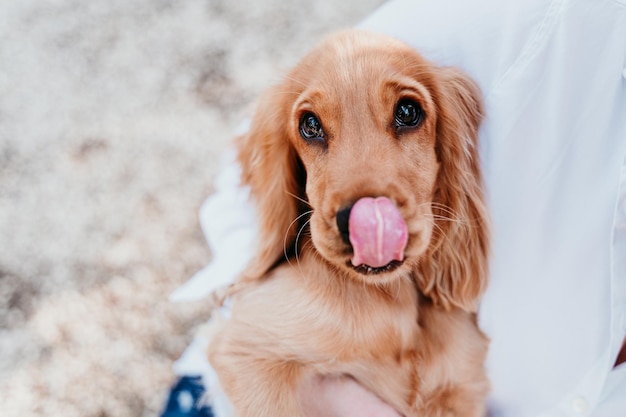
(113, 114)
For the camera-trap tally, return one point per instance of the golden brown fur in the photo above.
(408, 334)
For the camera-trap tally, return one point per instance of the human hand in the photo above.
(341, 397)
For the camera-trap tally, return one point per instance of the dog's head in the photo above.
(372, 149)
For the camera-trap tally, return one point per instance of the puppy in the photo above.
(373, 242)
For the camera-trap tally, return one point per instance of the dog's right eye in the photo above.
(408, 113)
(311, 128)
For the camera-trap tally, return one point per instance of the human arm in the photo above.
(341, 397)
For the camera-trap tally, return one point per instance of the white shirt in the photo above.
(553, 148)
(553, 151)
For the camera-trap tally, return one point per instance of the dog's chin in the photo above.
(339, 256)
(375, 276)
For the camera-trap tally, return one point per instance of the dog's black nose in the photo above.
(342, 217)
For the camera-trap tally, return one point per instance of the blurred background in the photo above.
(113, 115)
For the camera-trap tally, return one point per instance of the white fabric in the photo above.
(229, 224)
(553, 150)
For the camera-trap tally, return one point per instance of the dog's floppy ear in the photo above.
(271, 168)
(455, 273)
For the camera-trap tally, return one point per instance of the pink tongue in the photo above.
(377, 232)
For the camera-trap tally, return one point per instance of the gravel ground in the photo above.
(113, 114)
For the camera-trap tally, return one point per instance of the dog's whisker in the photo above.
(451, 215)
(306, 249)
(286, 238)
(295, 80)
(288, 93)
(445, 213)
(449, 219)
(443, 208)
(302, 200)
(309, 249)
(438, 227)
(306, 223)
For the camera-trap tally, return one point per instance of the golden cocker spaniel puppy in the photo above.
(373, 241)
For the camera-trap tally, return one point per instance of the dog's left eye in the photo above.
(408, 113)
(311, 128)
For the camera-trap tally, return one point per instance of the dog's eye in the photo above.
(311, 128)
(408, 113)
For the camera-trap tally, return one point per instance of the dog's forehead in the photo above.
(356, 60)
(376, 49)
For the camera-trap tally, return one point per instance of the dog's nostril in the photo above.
(343, 217)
